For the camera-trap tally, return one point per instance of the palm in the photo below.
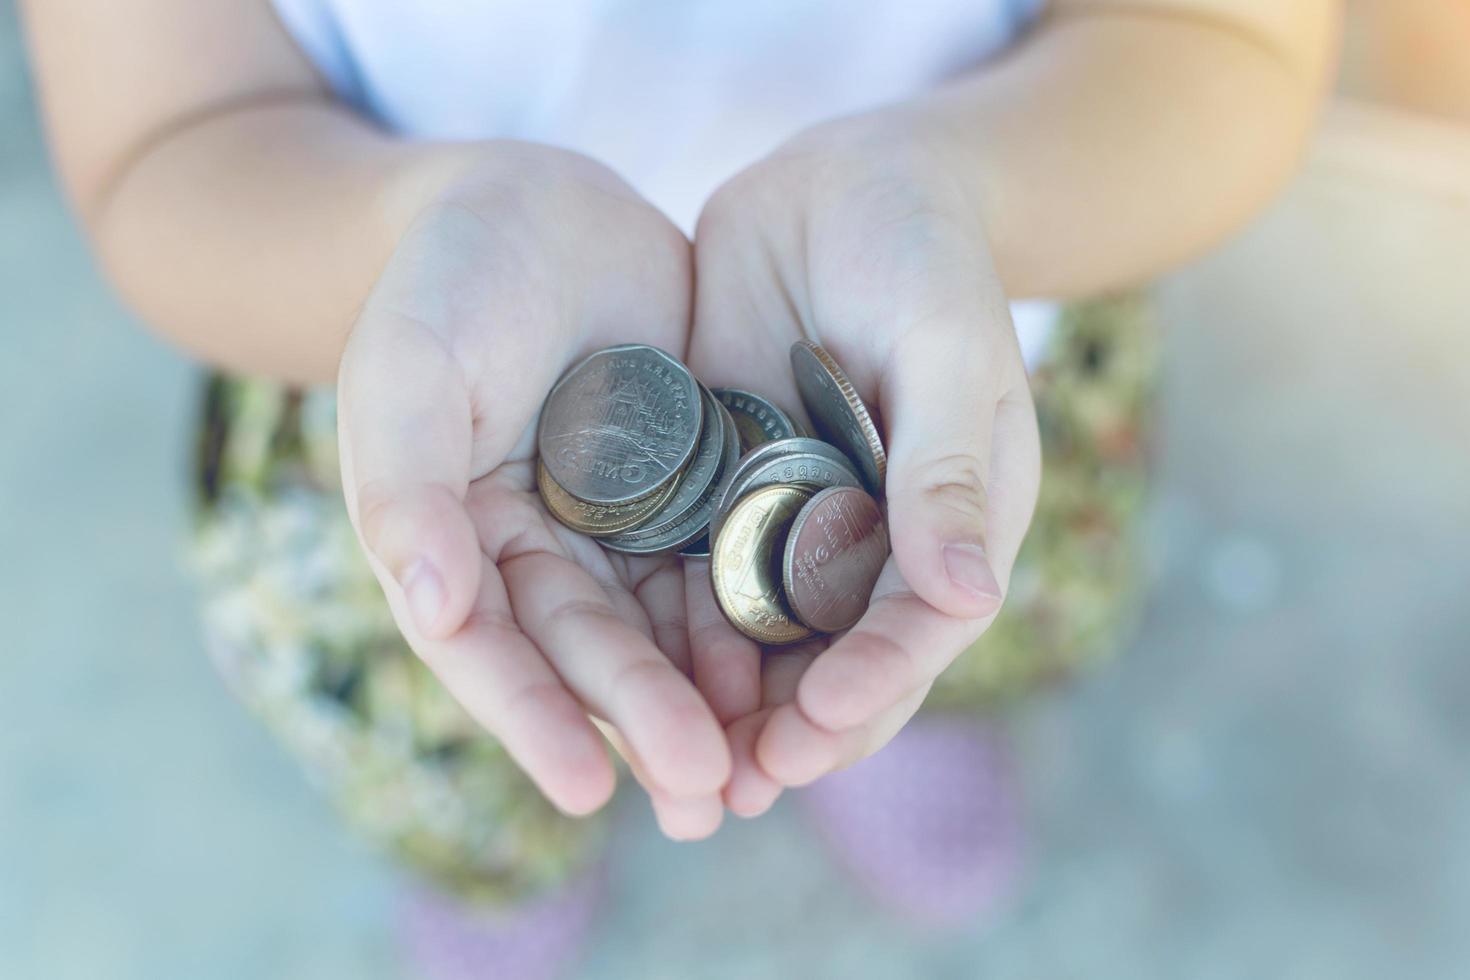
(530, 626)
(746, 681)
(899, 291)
(538, 556)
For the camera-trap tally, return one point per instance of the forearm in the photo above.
(1117, 143)
(252, 237)
(240, 209)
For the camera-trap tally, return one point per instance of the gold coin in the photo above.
(598, 519)
(745, 564)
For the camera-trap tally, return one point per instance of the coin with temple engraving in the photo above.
(620, 425)
(687, 514)
(745, 565)
(834, 552)
(758, 419)
(598, 519)
(837, 412)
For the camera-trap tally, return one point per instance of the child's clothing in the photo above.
(674, 95)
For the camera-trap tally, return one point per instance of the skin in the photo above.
(259, 224)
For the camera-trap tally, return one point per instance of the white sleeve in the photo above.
(314, 26)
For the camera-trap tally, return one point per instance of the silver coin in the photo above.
(787, 447)
(759, 419)
(837, 412)
(796, 469)
(702, 471)
(698, 548)
(620, 424)
(802, 461)
(687, 515)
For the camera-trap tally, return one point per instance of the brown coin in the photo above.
(837, 412)
(834, 552)
(598, 519)
(745, 565)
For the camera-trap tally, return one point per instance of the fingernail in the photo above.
(425, 591)
(970, 570)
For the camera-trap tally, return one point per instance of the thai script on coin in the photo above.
(799, 460)
(597, 519)
(757, 419)
(834, 552)
(686, 517)
(745, 565)
(620, 425)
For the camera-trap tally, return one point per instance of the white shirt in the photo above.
(674, 95)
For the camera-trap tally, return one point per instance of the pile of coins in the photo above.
(637, 453)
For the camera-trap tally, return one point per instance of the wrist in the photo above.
(898, 150)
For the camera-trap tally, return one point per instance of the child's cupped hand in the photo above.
(531, 263)
(861, 243)
(525, 266)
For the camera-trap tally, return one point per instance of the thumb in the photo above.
(940, 401)
(405, 426)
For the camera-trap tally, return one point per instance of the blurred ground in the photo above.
(1271, 783)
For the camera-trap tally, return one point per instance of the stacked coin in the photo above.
(798, 536)
(637, 453)
(633, 450)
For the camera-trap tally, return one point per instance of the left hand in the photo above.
(860, 241)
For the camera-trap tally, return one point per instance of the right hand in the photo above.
(525, 266)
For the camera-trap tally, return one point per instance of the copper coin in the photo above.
(745, 565)
(835, 549)
(838, 413)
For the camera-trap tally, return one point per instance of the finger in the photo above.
(506, 685)
(726, 665)
(782, 671)
(406, 400)
(618, 672)
(900, 644)
(750, 791)
(793, 751)
(661, 595)
(903, 642)
(687, 818)
(679, 818)
(939, 400)
(405, 434)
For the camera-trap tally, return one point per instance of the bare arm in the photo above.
(1127, 135)
(245, 214)
(238, 207)
(1121, 137)
(252, 219)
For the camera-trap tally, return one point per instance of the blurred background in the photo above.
(1274, 780)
